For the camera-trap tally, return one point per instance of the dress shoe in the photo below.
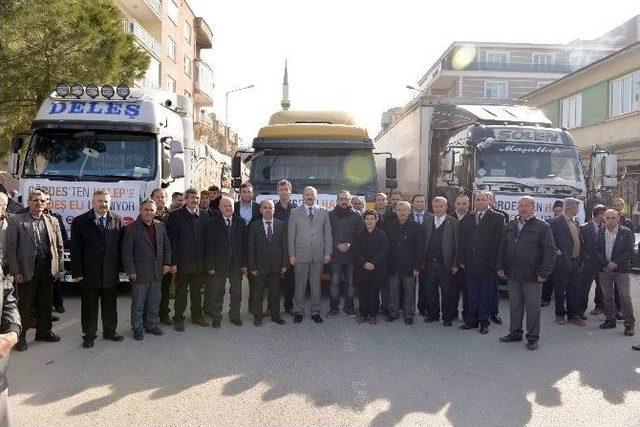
(59, 309)
(297, 318)
(467, 326)
(154, 331)
(87, 343)
(50, 337)
(178, 326)
(583, 317)
(138, 336)
(532, 344)
(608, 324)
(349, 311)
(560, 320)
(360, 320)
(257, 322)
(113, 337)
(484, 330)
(279, 320)
(511, 338)
(545, 303)
(576, 321)
(54, 318)
(596, 311)
(332, 312)
(21, 345)
(636, 347)
(619, 315)
(215, 324)
(628, 331)
(373, 320)
(199, 321)
(316, 318)
(408, 320)
(166, 321)
(430, 319)
(496, 319)
(447, 323)
(236, 321)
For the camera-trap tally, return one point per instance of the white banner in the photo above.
(71, 199)
(327, 201)
(544, 206)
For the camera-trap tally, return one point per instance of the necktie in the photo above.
(478, 218)
(310, 212)
(269, 231)
(103, 224)
(419, 219)
(230, 236)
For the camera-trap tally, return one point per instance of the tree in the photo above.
(44, 42)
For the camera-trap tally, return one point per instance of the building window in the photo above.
(542, 61)
(497, 60)
(578, 60)
(187, 32)
(171, 84)
(187, 66)
(171, 49)
(572, 111)
(173, 11)
(496, 90)
(625, 94)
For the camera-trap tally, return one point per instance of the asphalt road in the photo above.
(337, 373)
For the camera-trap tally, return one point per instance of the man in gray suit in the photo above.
(310, 244)
(34, 252)
(146, 256)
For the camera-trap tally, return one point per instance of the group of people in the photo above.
(383, 256)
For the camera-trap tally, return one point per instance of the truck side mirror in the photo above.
(236, 169)
(177, 147)
(391, 170)
(610, 171)
(16, 143)
(448, 162)
(177, 167)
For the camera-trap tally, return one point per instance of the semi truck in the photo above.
(128, 141)
(446, 148)
(324, 149)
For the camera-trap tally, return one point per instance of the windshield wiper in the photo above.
(520, 184)
(52, 177)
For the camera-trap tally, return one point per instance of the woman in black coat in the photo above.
(370, 249)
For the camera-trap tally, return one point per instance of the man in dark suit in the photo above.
(615, 250)
(159, 195)
(226, 259)
(421, 215)
(461, 209)
(441, 247)
(283, 209)
(495, 309)
(249, 211)
(590, 265)
(404, 261)
(10, 327)
(96, 238)
(146, 256)
(187, 231)
(268, 259)
(479, 243)
(35, 253)
(547, 287)
(568, 268)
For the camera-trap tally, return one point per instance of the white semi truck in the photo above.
(447, 148)
(128, 141)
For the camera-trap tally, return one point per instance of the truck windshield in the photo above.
(91, 155)
(544, 164)
(329, 172)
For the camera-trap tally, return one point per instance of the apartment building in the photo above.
(173, 36)
(600, 105)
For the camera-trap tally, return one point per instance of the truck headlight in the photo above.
(62, 89)
(123, 91)
(107, 91)
(92, 91)
(77, 90)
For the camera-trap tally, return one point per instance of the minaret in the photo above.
(285, 89)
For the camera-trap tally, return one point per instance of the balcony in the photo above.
(143, 36)
(204, 83)
(511, 67)
(204, 35)
(147, 11)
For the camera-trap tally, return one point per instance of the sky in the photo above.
(358, 56)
